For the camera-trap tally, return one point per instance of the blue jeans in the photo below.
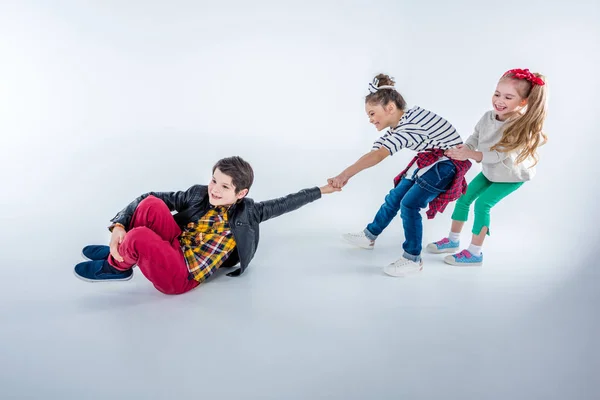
(410, 196)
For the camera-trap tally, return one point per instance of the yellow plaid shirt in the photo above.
(206, 244)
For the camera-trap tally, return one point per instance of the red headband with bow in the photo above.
(525, 74)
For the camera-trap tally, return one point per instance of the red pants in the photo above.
(152, 243)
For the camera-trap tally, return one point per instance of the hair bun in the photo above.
(385, 80)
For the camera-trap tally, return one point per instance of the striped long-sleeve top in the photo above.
(419, 130)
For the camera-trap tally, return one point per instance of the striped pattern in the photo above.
(419, 130)
(207, 243)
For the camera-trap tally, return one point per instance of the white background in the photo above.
(102, 101)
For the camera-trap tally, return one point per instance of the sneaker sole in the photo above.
(403, 275)
(357, 245)
(457, 264)
(442, 251)
(100, 280)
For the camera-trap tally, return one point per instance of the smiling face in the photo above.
(506, 100)
(221, 190)
(380, 116)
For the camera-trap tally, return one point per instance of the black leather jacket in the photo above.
(244, 216)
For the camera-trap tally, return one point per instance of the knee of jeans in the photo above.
(393, 193)
(391, 202)
(388, 198)
(408, 207)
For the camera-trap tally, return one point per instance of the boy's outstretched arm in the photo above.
(264, 210)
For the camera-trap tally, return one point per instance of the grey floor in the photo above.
(311, 319)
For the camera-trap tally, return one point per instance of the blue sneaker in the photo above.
(101, 271)
(96, 252)
(464, 259)
(443, 246)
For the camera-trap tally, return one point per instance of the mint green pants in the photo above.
(486, 194)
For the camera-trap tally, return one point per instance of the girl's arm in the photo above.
(473, 140)
(469, 150)
(367, 161)
(462, 153)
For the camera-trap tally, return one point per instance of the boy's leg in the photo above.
(161, 262)
(152, 243)
(154, 214)
(389, 209)
(150, 212)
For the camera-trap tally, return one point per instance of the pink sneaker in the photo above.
(443, 246)
(464, 259)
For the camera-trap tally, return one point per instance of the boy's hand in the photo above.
(329, 189)
(116, 238)
(339, 181)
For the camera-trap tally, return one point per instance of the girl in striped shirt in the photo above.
(430, 178)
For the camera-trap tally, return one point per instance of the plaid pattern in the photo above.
(206, 244)
(456, 189)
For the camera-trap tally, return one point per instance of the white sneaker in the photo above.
(403, 267)
(359, 239)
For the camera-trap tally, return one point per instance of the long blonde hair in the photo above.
(524, 131)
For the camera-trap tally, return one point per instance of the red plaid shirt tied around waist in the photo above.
(457, 188)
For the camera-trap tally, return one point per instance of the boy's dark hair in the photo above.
(240, 171)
